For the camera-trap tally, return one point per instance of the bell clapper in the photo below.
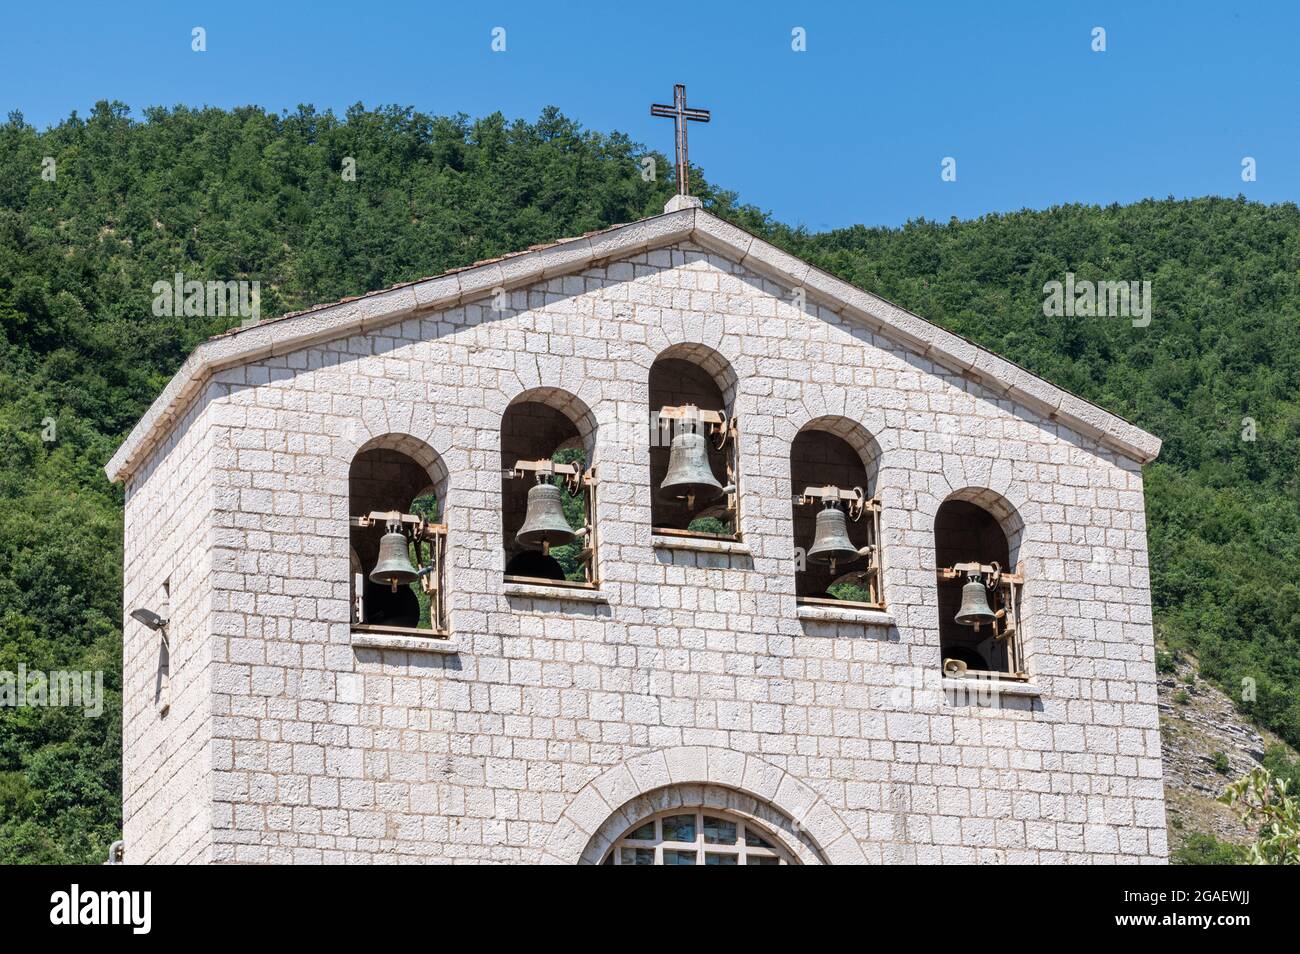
(394, 527)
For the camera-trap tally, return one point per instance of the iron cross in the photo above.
(681, 115)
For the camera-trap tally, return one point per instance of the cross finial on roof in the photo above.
(681, 115)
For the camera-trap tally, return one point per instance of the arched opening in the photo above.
(833, 465)
(693, 473)
(397, 485)
(698, 836)
(976, 543)
(548, 438)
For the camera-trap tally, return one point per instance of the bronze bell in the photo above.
(544, 523)
(831, 543)
(974, 604)
(689, 477)
(394, 564)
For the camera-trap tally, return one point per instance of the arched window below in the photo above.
(976, 538)
(699, 836)
(397, 553)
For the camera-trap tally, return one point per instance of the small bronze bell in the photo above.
(689, 477)
(394, 565)
(831, 543)
(544, 523)
(974, 604)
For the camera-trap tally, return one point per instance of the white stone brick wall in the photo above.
(697, 671)
(166, 749)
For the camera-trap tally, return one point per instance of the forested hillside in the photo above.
(248, 195)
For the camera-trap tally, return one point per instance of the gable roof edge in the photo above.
(460, 286)
(881, 316)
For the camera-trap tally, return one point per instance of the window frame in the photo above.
(435, 536)
(713, 424)
(740, 849)
(874, 572)
(1006, 596)
(586, 483)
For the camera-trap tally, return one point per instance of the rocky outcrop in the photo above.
(1205, 744)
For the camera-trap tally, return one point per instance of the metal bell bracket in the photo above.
(421, 528)
(428, 577)
(995, 578)
(858, 504)
(988, 570)
(574, 478)
(856, 497)
(720, 426)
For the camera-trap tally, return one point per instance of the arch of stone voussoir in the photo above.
(597, 814)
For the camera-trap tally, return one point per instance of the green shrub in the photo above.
(1205, 849)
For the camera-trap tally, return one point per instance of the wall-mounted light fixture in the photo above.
(149, 618)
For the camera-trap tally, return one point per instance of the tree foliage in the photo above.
(1222, 352)
(1264, 803)
(1203, 848)
(247, 194)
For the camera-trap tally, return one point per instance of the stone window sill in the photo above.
(846, 614)
(1001, 687)
(700, 545)
(569, 594)
(429, 642)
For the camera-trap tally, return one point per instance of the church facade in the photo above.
(897, 611)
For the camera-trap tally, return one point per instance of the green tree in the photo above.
(1264, 802)
(245, 194)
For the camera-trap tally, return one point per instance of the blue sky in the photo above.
(853, 130)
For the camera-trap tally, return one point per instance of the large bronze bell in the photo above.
(831, 543)
(544, 523)
(689, 477)
(974, 605)
(394, 565)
